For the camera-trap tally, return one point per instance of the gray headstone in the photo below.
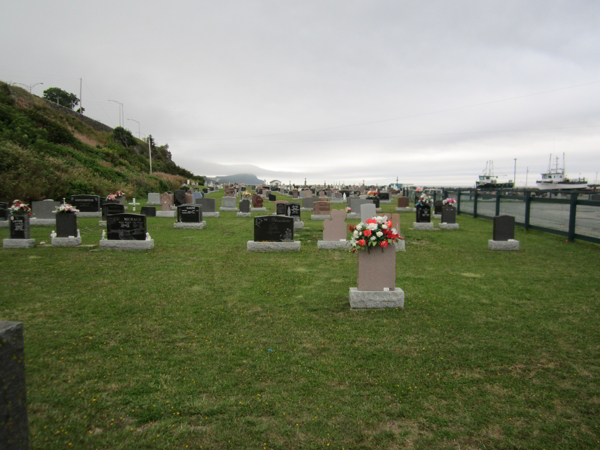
(208, 204)
(44, 209)
(228, 202)
(245, 206)
(367, 211)
(13, 393)
(308, 202)
(154, 198)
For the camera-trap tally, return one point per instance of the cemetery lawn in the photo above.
(201, 344)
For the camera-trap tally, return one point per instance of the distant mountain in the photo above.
(242, 178)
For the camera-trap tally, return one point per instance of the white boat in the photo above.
(555, 178)
(488, 180)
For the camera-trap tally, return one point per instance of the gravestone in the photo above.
(112, 208)
(153, 198)
(179, 197)
(355, 204)
(148, 211)
(196, 195)
(367, 211)
(3, 211)
(86, 203)
(402, 202)
(205, 190)
(273, 229)
(375, 201)
(503, 228)
(306, 193)
(44, 209)
(423, 213)
(189, 213)
(257, 201)
(66, 225)
(295, 194)
(19, 227)
(437, 205)
(209, 205)
(335, 229)
(272, 198)
(166, 201)
(281, 209)
(308, 202)
(228, 203)
(448, 214)
(321, 208)
(376, 269)
(245, 206)
(188, 198)
(14, 433)
(384, 196)
(126, 227)
(293, 210)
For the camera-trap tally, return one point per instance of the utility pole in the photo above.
(515, 176)
(80, 96)
(150, 153)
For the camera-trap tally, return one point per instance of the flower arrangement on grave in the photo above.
(419, 189)
(348, 209)
(118, 194)
(375, 232)
(372, 194)
(247, 194)
(184, 185)
(65, 208)
(424, 200)
(19, 207)
(449, 202)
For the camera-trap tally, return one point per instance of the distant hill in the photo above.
(48, 151)
(242, 178)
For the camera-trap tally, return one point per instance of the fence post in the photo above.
(498, 203)
(527, 209)
(572, 214)
(458, 202)
(475, 204)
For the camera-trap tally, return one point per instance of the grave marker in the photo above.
(126, 227)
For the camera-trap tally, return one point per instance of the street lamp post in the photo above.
(29, 86)
(139, 127)
(121, 113)
(515, 175)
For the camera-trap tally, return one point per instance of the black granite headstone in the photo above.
(126, 227)
(272, 198)
(148, 211)
(66, 224)
(13, 399)
(19, 227)
(273, 229)
(375, 200)
(86, 203)
(293, 210)
(189, 213)
(112, 208)
(179, 197)
(245, 206)
(423, 213)
(437, 205)
(384, 196)
(3, 211)
(503, 228)
(205, 190)
(448, 214)
(281, 209)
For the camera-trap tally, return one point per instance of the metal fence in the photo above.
(570, 216)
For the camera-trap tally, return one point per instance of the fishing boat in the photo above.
(487, 180)
(555, 178)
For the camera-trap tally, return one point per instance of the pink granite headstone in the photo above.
(321, 208)
(376, 269)
(335, 229)
(166, 201)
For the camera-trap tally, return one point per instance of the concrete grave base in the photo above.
(305, 209)
(400, 245)
(42, 222)
(385, 201)
(241, 214)
(334, 245)
(190, 226)
(211, 214)
(509, 245)
(19, 243)
(449, 226)
(88, 214)
(298, 225)
(66, 241)
(376, 299)
(102, 223)
(405, 209)
(353, 215)
(259, 209)
(222, 208)
(152, 204)
(437, 216)
(422, 226)
(320, 217)
(108, 244)
(273, 246)
(338, 200)
(3, 223)
(165, 213)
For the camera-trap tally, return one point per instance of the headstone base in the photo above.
(89, 214)
(42, 222)
(222, 208)
(152, 204)
(376, 299)
(449, 226)
(211, 214)
(190, 225)
(259, 209)
(385, 201)
(19, 243)
(66, 241)
(437, 216)
(400, 245)
(305, 209)
(293, 246)
(338, 200)
(109, 244)
(241, 214)
(165, 213)
(334, 245)
(320, 217)
(3, 223)
(353, 215)
(422, 226)
(509, 245)
(404, 209)
(298, 225)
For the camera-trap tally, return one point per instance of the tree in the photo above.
(63, 98)
(123, 137)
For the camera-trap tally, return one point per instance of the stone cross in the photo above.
(134, 204)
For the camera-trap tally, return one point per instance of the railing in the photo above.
(572, 217)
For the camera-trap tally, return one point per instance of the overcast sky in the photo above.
(335, 91)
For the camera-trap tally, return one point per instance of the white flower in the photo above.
(372, 226)
(355, 234)
(379, 234)
(394, 231)
(359, 226)
(373, 238)
(384, 227)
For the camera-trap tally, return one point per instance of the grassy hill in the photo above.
(47, 151)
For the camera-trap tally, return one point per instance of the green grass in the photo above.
(201, 344)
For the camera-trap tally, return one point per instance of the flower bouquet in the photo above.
(375, 232)
(424, 200)
(247, 194)
(348, 209)
(449, 202)
(372, 194)
(118, 194)
(66, 208)
(19, 207)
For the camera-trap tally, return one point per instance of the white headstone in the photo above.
(134, 204)
(367, 211)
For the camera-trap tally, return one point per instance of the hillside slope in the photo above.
(47, 151)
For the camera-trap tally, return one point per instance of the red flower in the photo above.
(383, 244)
(367, 233)
(351, 228)
(371, 221)
(389, 224)
(361, 242)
